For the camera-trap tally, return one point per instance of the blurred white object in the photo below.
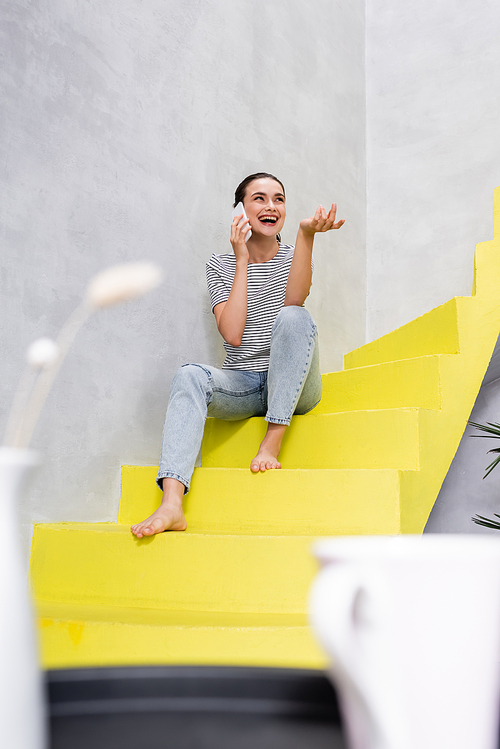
(42, 353)
(22, 713)
(122, 282)
(411, 625)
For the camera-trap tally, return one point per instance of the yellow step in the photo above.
(396, 384)
(436, 332)
(104, 563)
(297, 501)
(354, 439)
(82, 636)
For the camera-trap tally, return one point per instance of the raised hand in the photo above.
(321, 221)
(238, 234)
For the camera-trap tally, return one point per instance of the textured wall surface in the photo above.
(126, 127)
(433, 151)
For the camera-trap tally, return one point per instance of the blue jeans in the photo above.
(292, 385)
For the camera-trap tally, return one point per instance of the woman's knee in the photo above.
(294, 318)
(190, 377)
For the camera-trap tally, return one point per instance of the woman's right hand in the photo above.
(231, 316)
(238, 234)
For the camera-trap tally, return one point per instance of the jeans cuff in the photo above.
(171, 475)
(272, 420)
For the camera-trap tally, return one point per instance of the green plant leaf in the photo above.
(491, 466)
(486, 522)
(492, 429)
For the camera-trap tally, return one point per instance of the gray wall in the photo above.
(126, 127)
(433, 151)
(464, 493)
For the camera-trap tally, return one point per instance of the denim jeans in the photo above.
(292, 385)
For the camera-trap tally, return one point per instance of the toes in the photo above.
(140, 530)
(154, 526)
(263, 465)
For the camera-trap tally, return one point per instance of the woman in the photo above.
(272, 366)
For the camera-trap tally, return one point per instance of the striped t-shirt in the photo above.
(266, 286)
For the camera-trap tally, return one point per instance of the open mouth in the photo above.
(269, 220)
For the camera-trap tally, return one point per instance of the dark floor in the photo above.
(192, 708)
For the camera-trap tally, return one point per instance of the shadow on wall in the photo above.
(464, 493)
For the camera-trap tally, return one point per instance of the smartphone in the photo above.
(237, 212)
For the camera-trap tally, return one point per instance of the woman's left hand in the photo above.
(321, 221)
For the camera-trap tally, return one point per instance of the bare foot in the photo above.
(267, 457)
(264, 461)
(169, 516)
(165, 518)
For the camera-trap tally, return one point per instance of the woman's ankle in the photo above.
(173, 491)
(274, 436)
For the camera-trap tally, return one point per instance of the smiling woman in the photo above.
(272, 360)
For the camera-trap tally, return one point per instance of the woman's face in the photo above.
(265, 206)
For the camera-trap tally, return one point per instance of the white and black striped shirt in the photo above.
(266, 286)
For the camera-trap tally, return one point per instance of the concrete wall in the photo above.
(433, 151)
(126, 127)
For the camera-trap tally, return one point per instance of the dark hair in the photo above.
(241, 190)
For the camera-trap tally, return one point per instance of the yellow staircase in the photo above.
(233, 588)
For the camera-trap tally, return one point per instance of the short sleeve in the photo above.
(218, 289)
